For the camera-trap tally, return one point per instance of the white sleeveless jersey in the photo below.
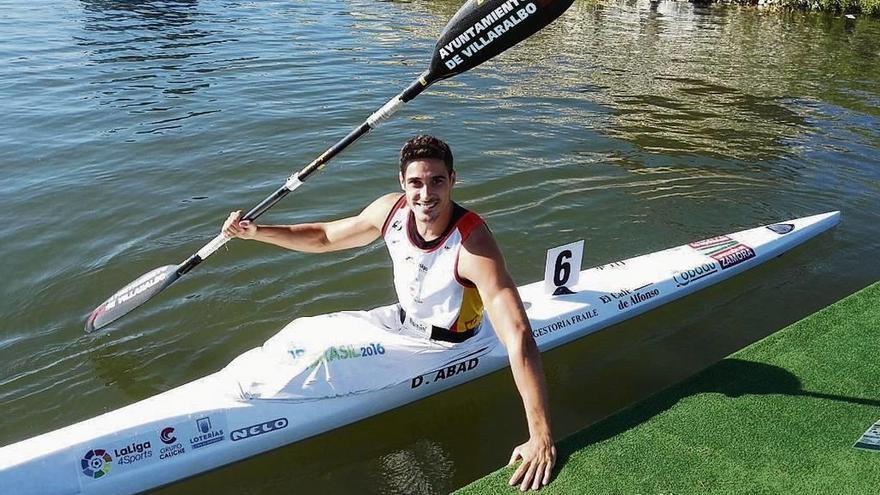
(426, 279)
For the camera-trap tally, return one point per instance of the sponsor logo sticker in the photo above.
(167, 435)
(726, 251)
(628, 298)
(485, 31)
(258, 429)
(130, 453)
(133, 452)
(734, 256)
(685, 277)
(565, 323)
(136, 288)
(208, 433)
(96, 463)
(172, 447)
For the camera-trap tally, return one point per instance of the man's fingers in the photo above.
(540, 473)
(231, 227)
(529, 476)
(514, 456)
(518, 474)
(548, 470)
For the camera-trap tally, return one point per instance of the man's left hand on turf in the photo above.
(538, 458)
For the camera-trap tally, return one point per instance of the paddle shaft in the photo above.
(297, 179)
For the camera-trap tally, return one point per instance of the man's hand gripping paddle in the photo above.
(480, 30)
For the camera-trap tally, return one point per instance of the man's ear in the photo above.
(400, 178)
(452, 178)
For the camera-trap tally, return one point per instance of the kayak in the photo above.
(209, 423)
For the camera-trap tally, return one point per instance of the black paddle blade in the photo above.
(131, 296)
(482, 29)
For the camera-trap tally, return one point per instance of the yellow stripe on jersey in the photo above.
(471, 313)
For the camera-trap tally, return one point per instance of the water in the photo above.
(130, 130)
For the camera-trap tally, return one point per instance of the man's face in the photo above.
(428, 188)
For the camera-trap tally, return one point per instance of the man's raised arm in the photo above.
(321, 237)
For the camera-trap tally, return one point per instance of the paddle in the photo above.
(480, 30)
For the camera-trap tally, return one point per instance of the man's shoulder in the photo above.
(389, 199)
(480, 259)
(480, 240)
(377, 211)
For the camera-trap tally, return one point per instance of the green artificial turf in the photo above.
(780, 416)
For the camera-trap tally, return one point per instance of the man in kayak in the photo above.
(447, 267)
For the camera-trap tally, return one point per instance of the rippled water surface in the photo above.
(131, 129)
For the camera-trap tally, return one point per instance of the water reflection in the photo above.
(149, 54)
(423, 468)
(679, 79)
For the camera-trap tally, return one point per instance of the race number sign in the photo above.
(563, 268)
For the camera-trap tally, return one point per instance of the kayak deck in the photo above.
(207, 423)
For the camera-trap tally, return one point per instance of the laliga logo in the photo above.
(96, 463)
(254, 430)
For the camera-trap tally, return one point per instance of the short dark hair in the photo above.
(423, 146)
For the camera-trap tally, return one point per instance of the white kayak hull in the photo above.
(206, 424)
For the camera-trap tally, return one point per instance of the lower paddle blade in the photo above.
(482, 29)
(131, 296)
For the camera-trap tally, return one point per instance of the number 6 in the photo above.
(563, 268)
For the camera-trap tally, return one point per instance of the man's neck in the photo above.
(433, 230)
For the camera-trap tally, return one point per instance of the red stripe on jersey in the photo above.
(468, 223)
(398, 205)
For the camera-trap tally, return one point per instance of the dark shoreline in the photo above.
(845, 7)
